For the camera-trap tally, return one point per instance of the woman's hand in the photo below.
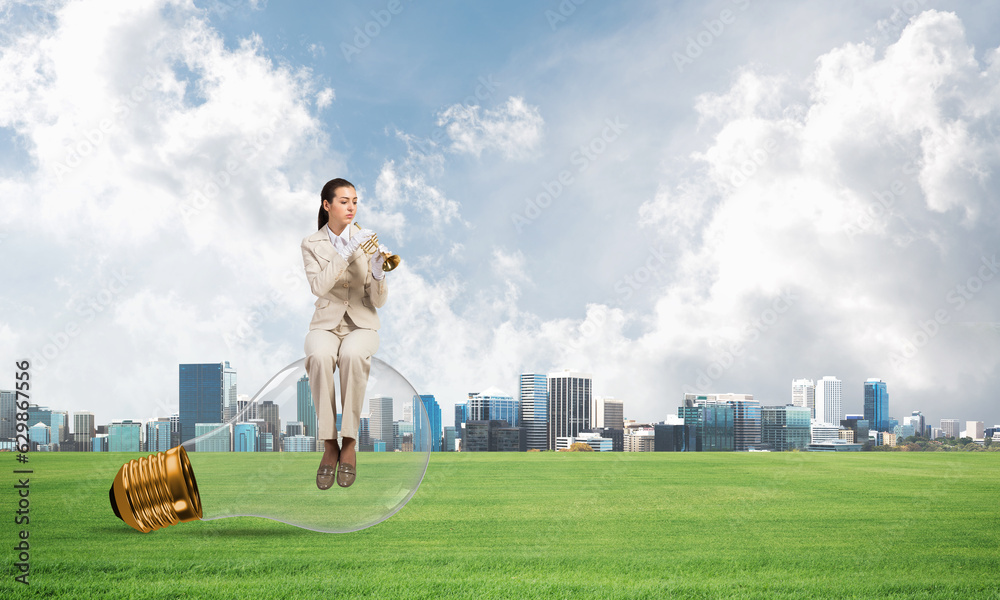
(376, 262)
(355, 242)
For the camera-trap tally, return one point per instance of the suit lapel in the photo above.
(324, 247)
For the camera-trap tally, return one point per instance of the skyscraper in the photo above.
(919, 423)
(876, 404)
(269, 414)
(246, 437)
(59, 421)
(305, 410)
(218, 437)
(859, 426)
(607, 413)
(8, 415)
(246, 410)
(494, 405)
(204, 389)
(229, 404)
(40, 414)
(785, 427)
(975, 430)
(433, 411)
(713, 422)
(533, 395)
(746, 416)
(804, 394)
(569, 405)
(83, 431)
(380, 424)
(125, 436)
(952, 428)
(829, 407)
(461, 417)
(157, 434)
(449, 439)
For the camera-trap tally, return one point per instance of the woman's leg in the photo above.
(354, 361)
(322, 348)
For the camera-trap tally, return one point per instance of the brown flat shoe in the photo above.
(324, 476)
(346, 475)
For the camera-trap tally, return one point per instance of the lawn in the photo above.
(548, 525)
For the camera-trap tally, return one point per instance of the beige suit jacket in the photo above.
(341, 286)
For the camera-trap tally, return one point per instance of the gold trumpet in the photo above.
(370, 246)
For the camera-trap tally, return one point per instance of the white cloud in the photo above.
(787, 197)
(787, 264)
(514, 129)
(156, 149)
(325, 98)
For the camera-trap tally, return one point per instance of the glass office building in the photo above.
(785, 427)
(877, 405)
(433, 411)
(204, 389)
(245, 437)
(461, 417)
(124, 436)
(533, 396)
(569, 395)
(214, 441)
(674, 438)
(305, 410)
(714, 425)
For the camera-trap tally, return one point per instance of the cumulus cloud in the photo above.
(325, 98)
(821, 229)
(842, 189)
(514, 129)
(153, 149)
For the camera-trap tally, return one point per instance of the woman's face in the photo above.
(342, 208)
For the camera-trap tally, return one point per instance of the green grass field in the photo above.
(546, 525)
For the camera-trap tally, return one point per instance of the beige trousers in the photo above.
(349, 348)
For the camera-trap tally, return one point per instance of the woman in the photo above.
(343, 333)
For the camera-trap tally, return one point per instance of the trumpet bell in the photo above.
(391, 262)
(370, 246)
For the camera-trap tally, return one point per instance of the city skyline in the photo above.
(758, 194)
(225, 373)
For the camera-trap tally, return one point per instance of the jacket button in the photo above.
(345, 303)
(345, 285)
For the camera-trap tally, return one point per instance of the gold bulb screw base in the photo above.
(156, 491)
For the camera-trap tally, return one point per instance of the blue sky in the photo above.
(719, 196)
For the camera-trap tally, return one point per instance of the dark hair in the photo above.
(327, 194)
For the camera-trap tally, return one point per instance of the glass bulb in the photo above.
(160, 490)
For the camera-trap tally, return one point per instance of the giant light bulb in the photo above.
(161, 489)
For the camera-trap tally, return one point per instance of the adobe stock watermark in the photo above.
(752, 330)
(485, 88)
(248, 150)
(88, 311)
(958, 296)
(364, 35)
(879, 208)
(563, 11)
(656, 260)
(713, 29)
(88, 141)
(748, 168)
(581, 158)
(263, 310)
